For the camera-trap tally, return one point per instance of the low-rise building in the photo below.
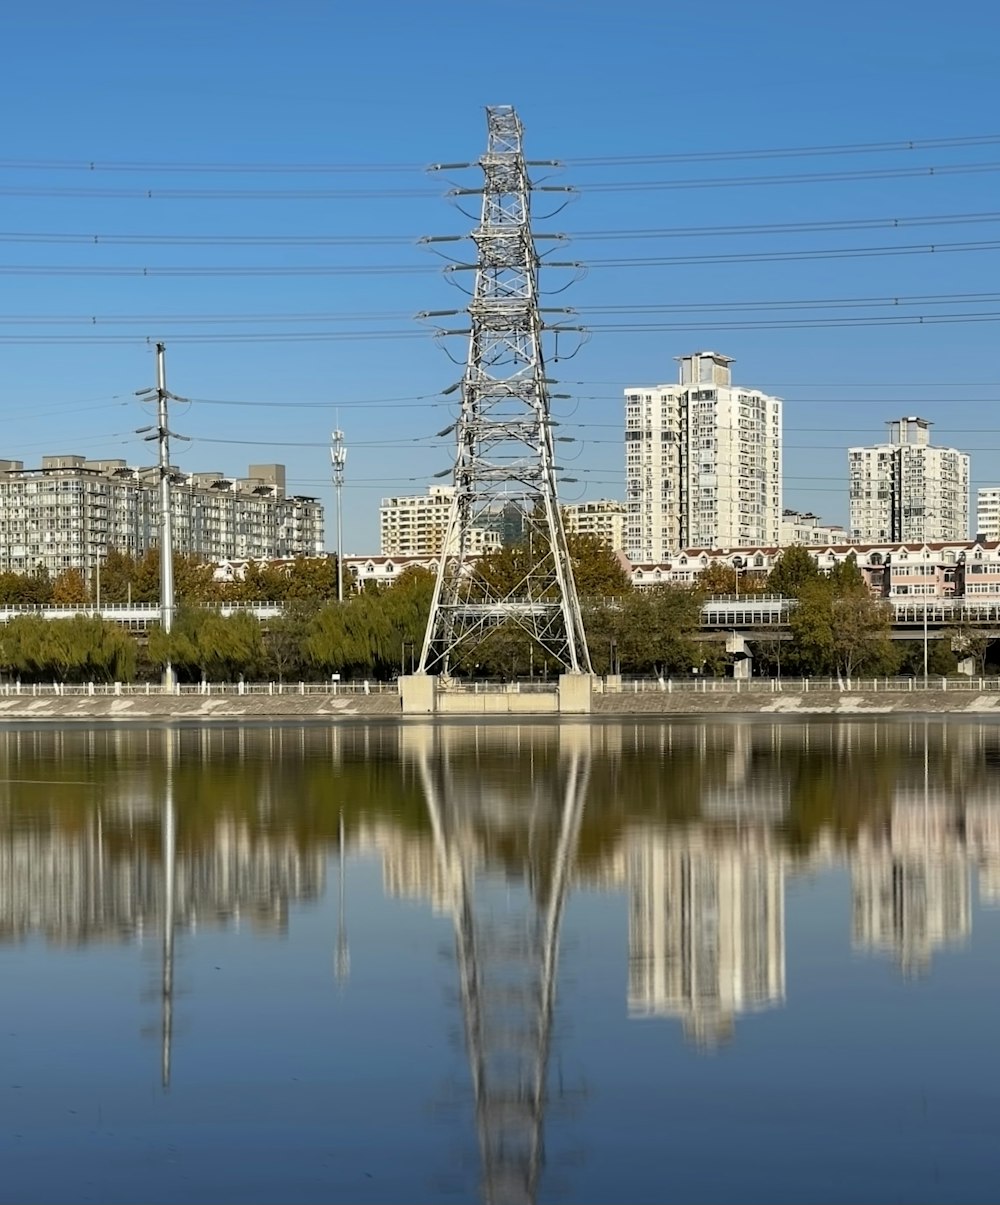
(803, 527)
(961, 568)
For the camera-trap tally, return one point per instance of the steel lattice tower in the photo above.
(505, 464)
(507, 953)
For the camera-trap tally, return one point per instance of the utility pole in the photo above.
(162, 433)
(505, 441)
(338, 458)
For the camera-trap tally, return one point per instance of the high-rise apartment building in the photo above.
(988, 512)
(69, 512)
(416, 524)
(603, 518)
(702, 463)
(907, 490)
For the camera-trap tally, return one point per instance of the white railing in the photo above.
(131, 612)
(76, 689)
(730, 686)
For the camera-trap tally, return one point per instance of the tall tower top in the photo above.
(705, 368)
(910, 430)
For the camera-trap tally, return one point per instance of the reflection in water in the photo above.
(707, 928)
(506, 952)
(118, 834)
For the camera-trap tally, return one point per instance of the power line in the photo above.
(319, 270)
(394, 240)
(891, 173)
(368, 194)
(849, 148)
(321, 316)
(329, 168)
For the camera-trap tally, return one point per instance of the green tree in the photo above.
(313, 579)
(194, 579)
(968, 640)
(117, 575)
(597, 570)
(794, 571)
(84, 648)
(837, 627)
(658, 629)
(206, 644)
(862, 640)
(285, 638)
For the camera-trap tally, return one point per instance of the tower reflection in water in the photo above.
(703, 830)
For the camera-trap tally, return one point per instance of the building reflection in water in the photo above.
(706, 928)
(152, 834)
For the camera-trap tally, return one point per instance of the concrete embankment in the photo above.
(814, 702)
(97, 709)
(267, 708)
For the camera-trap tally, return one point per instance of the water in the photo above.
(644, 961)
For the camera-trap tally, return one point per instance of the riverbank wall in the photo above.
(651, 704)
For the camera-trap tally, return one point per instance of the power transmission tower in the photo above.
(338, 458)
(506, 944)
(505, 455)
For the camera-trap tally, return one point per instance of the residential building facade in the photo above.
(907, 489)
(415, 525)
(603, 518)
(803, 527)
(702, 462)
(988, 512)
(71, 511)
(942, 569)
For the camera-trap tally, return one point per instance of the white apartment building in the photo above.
(702, 462)
(603, 518)
(988, 512)
(907, 489)
(803, 527)
(69, 512)
(415, 525)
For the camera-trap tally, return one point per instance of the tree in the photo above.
(838, 627)
(194, 579)
(84, 648)
(312, 579)
(968, 640)
(657, 630)
(69, 588)
(795, 570)
(596, 568)
(117, 574)
(208, 644)
(720, 578)
(941, 659)
(861, 628)
(285, 641)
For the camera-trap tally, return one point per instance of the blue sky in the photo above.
(392, 87)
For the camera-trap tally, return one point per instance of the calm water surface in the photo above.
(546, 962)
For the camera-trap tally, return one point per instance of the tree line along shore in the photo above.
(376, 633)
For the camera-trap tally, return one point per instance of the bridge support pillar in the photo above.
(743, 668)
(967, 666)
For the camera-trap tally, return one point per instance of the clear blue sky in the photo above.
(213, 83)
